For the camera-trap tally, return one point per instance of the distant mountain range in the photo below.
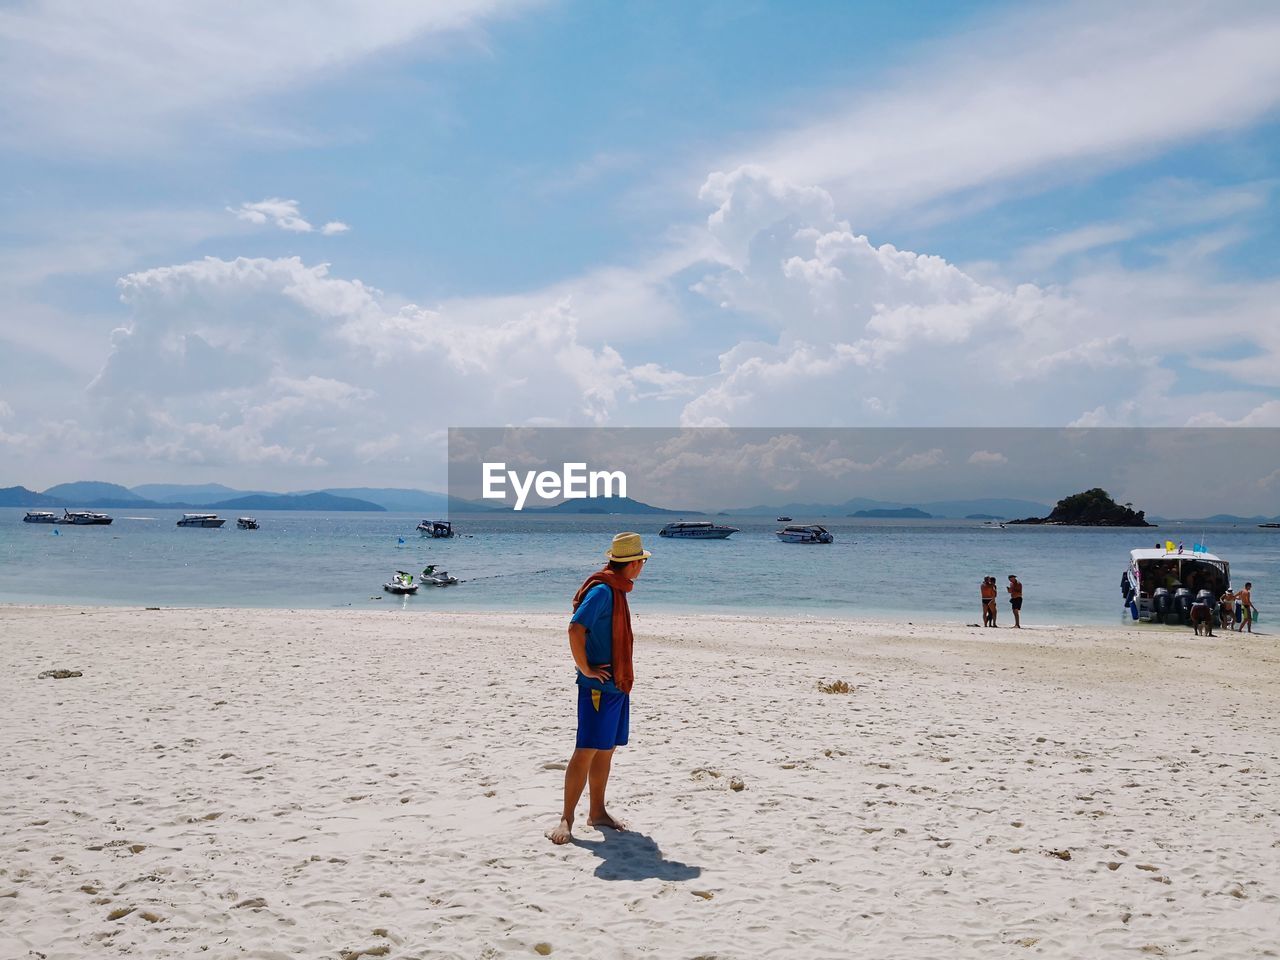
(215, 496)
(608, 505)
(996, 508)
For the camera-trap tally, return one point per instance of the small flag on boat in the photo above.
(1168, 546)
(1198, 548)
(1179, 546)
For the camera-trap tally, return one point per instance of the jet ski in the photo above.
(437, 578)
(402, 582)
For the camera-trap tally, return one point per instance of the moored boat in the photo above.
(1161, 585)
(805, 533)
(201, 520)
(696, 530)
(85, 518)
(40, 516)
(437, 529)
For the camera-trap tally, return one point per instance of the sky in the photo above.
(286, 246)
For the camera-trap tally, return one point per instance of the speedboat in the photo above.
(696, 530)
(85, 518)
(40, 516)
(805, 533)
(1161, 585)
(246, 523)
(784, 519)
(437, 529)
(402, 582)
(437, 578)
(201, 520)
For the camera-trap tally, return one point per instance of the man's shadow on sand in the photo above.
(628, 855)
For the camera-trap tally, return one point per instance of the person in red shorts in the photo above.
(600, 640)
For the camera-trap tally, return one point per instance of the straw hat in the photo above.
(627, 547)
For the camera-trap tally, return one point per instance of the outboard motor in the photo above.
(1124, 585)
(1161, 604)
(1182, 605)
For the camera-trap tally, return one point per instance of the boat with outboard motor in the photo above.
(696, 530)
(201, 520)
(783, 519)
(1161, 585)
(402, 582)
(436, 529)
(805, 533)
(246, 523)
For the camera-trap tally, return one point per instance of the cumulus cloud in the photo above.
(861, 329)
(987, 458)
(273, 361)
(925, 460)
(283, 214)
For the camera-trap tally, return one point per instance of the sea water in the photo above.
(922, 570)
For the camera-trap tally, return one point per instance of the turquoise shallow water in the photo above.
(926, 570)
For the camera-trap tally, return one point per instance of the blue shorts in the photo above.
(604, 719)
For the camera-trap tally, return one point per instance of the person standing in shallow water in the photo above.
(600, 640)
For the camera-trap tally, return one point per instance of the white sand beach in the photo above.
(276, 784)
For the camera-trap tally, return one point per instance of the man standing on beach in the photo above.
(600, 640)
(988, 601)
(1015, 599)
(1247, 609)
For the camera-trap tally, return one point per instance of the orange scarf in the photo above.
(624, 673)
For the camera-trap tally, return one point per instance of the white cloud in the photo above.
(258, 361)
(925, 460)
(1050, 92)
(283, 214)
(987, 458)
(126, 76)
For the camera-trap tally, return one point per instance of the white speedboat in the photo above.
(437, 529)
(40, 516)
(402, 582)
(696, 530)
(85, 518)
(1161, 585)
(246, 523)
(201, 520)
(805, 533)
(437, 578)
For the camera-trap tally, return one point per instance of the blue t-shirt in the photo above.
(595, 613)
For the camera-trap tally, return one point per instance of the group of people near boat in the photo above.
(1236, 609)
(989, 592)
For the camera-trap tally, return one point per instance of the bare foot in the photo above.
(604, 820)
(562, 833)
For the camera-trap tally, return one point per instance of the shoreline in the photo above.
(289, 784)
(886, 619)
